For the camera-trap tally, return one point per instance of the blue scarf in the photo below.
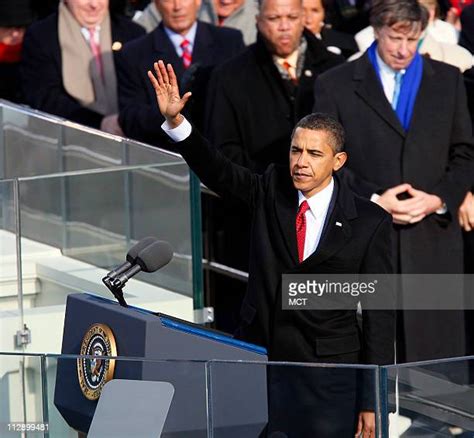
(409, 89)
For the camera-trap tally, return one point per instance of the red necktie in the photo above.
(301, 229)
(186, 56)
(95, 48)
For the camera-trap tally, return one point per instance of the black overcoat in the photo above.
(41, 69)
(435, 155)
(356, 239)
(251, 111)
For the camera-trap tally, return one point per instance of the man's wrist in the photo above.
(180, 133)
(174, 122)
(443, 209)
(439, 206)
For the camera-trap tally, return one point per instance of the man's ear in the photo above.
(376, 33)
(340, 159)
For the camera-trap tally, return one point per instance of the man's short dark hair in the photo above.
(391, 12)
(323, 122)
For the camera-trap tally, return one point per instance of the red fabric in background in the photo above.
(460, 4)
(10, 54)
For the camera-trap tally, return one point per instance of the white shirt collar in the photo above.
(384, 68)
(86, 34)
(177, 38)
(319, 203)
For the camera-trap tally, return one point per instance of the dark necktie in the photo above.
(301, 229)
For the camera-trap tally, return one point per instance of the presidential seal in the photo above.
(93, 374)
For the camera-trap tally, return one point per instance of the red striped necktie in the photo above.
(186, 56)
(95, 48)
(301, 229)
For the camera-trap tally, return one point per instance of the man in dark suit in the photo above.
(409, 140)
(191, 46)
(68, 63)
(278, 72)
(254, 102)
(303, 221)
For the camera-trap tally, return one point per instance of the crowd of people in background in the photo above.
(254, 69)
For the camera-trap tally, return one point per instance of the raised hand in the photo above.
(167, 93)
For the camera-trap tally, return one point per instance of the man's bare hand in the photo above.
(411, 210)
(366, 425)
(397, 208)
(167, 93)
(466, 213)
(426, 203)
(111, 125)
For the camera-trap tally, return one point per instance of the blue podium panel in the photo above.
(165, 346)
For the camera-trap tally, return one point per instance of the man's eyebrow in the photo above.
(315, 150)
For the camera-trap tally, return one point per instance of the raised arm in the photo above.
(209, 164)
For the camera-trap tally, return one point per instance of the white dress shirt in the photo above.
(177, 39)
(315, 217)
(180, 133)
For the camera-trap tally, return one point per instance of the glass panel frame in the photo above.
(73, 147)
(300, 392)
(433, 397)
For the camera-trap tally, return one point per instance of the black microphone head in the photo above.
(135, 249)
(155, 256)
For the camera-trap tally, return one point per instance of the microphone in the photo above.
(131, 256)
(150, 259)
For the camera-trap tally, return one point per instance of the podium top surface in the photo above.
(173, 323)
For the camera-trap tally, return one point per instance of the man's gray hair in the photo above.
(404, 12)
(326, 123)
(260, 4)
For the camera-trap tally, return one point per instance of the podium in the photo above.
(162, 346)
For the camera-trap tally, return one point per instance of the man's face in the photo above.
(397, 45)
(88, 13)
(281, 24)
(312, 161)
(178, 15)
(225, 8)
(313, 15)
(11, 36)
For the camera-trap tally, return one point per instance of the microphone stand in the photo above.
(116, 289)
